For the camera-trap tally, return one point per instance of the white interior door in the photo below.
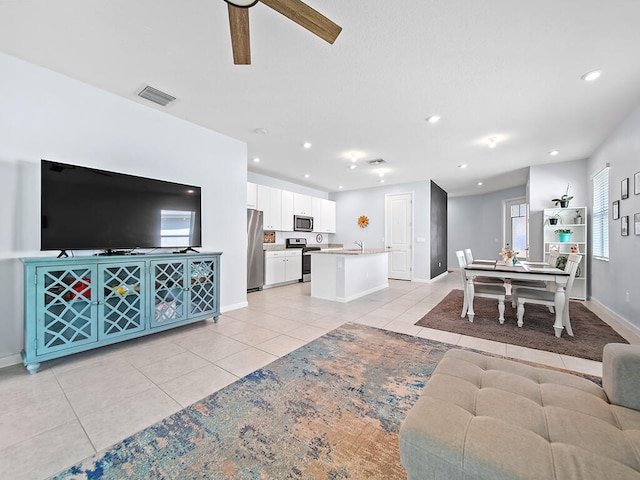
(516, 227)
(398, 234)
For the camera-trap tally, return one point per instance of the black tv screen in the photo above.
(89, 209)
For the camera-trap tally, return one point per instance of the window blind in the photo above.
(600, 215)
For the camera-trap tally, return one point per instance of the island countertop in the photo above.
(351, 251)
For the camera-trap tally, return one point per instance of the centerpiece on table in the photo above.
(508, 256)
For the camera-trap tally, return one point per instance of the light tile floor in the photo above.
(82, 404)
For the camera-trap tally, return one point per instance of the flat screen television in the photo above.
(89, 209)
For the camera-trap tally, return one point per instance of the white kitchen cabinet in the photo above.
(328, 216)
(302, 204)
(282, 266)
(252, 195)
(324, 215)
(287, 211)
(270, 202)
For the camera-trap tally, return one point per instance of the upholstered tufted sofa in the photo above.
(482, 417)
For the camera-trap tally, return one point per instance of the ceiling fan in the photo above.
(295, 10)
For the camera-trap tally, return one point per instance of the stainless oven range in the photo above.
(306, 258)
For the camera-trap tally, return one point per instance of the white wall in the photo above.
(550, 181)
(371, 202)
(610, 281)
(477, 222)
(47, 115)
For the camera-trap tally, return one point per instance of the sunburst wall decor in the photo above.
(363, 221)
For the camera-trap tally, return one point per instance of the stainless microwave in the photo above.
(302, 223)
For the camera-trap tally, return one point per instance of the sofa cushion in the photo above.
(482, 417)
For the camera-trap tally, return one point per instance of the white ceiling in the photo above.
(490, 68)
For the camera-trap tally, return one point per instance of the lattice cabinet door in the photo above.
(65, 307)
(121, 299)
(170, 292)
(203, 292)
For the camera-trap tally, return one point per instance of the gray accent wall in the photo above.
(47, 115)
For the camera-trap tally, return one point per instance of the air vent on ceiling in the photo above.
(156, 96)
(377, 161)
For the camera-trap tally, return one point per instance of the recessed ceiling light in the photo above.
(591, 76)
(433, 119)
(381, 180)
(257, 160)
(352, 166)
(553, 153)
(479, 184)
(339, 187)
(462, 165)
(306, 175)
(306, 145)
(381, 174)
(492, 142)
(260, 130)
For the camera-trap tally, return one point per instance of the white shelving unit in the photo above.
(567, 219)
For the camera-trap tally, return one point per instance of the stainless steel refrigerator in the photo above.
(255, 251)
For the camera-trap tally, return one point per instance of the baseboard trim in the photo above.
(618, 318)
(235, 306)
(10, 360)
(430, 280)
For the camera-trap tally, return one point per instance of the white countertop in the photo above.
(352, 251)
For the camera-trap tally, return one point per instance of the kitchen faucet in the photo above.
(360, 244)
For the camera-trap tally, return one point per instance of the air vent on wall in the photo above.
(156, 96)
(377, 161)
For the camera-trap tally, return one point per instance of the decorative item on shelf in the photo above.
(554, 218)
(578, 220)
(269, 236)
(575, 249)
(508, 256)
(554, 248)
(563, 201)
(363, 221)
(564, 234)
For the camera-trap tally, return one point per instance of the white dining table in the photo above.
(522, 271)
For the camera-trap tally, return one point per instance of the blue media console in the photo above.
(80, 303)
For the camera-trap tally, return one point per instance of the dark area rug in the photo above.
(329, 410)
(591, 334)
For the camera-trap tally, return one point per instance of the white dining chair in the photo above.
(537, 284)
(497, 292)
(468, 258)
(547, 297)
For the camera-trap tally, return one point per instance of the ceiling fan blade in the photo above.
(306, 17)
(239, 25)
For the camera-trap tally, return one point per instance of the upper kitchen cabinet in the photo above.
(252, 195)
(270, 202)
(302, 204)
(287, 211)
(324, 215)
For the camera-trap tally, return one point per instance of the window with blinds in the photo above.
(600, 215)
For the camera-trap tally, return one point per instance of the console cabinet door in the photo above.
(169, 286)
(121, 299)
(202, 292)
(66, 314)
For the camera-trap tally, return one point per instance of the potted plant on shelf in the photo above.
(564, 234)
(563, 201)
(578, 219)
(553, 219)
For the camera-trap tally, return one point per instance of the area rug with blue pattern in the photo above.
(329, 410)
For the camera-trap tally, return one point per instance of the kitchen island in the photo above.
(344, 275)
